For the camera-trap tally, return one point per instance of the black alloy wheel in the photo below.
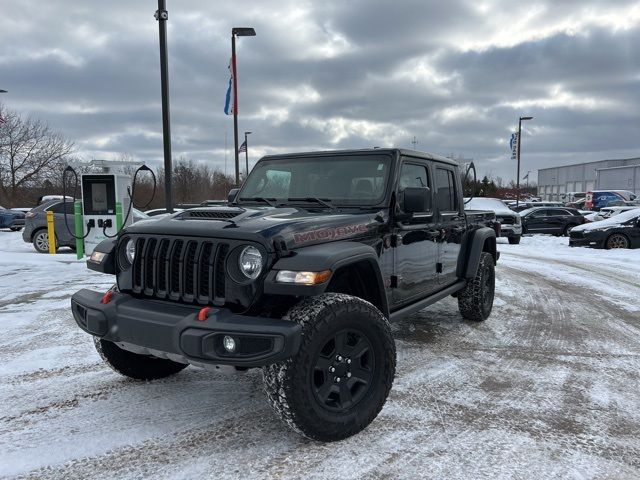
(343, 370)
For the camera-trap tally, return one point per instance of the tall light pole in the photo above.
(246, 151)
(162, 16)
(519, 142)
(240, 32)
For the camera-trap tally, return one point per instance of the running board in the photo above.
(425, 302)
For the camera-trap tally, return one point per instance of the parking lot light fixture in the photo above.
(237, 32)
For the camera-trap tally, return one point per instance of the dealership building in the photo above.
(619, 174)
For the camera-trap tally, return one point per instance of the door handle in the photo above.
(434, 234)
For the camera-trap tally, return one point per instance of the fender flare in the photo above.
(328, 256)
(475, 247)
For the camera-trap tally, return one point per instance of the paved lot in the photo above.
(546, 387)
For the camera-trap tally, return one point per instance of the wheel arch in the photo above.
(350, 262)
(622, 234)
(482, 240)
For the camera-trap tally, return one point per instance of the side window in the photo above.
(446, 191)
(56, 208)
(413, 175)
(539, 214)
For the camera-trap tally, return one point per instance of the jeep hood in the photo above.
(295, 226)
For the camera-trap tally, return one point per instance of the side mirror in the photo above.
(416, 199)
(232, 195)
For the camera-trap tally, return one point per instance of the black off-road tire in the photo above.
(475, 301)
(294, 387)
(567, 230)
(515, 240)
(617, 240)
(133, 365)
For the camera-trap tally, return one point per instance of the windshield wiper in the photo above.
(326, 203)
(268, 201)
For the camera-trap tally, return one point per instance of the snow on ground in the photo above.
(546, 387)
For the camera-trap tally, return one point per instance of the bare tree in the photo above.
(30, 152)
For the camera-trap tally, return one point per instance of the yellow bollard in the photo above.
(51, 233)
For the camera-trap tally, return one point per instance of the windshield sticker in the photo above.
(329, 233)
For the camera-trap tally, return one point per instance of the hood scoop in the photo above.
(226, 214)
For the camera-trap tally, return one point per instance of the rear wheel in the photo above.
(475, 301)
(133, 365)
(514, 240)
(340, 378)
(567, 230)
(617, 240)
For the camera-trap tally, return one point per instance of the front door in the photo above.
(416, 250)
(538, 222)
(450, 221)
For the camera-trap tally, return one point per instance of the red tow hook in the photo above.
(106, 298)
(203, 313)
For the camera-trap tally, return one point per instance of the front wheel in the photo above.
(617, 240)
(567, 230)
(133, 365)
(475, 301)
(41, 241)
(340, 378)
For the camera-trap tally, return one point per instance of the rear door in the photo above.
(537, 222)
(451, 222)
(62, 232)
(416, 250)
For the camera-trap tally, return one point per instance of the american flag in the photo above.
(243, 147)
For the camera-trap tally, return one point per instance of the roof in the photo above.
(400, 151)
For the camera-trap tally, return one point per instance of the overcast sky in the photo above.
(334, 74)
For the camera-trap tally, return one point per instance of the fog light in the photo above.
(229, 344)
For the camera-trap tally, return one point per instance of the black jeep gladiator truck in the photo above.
(300, 274)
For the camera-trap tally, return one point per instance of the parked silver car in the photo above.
(35, 229)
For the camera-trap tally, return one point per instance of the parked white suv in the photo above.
(510, 221)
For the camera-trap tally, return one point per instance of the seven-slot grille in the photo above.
(190, 271)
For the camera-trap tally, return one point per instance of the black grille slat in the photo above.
(162, 265)
(189, 270)
(189, 264)
(175, 269)
(204, 271)
(150, 266)
(137, 266)
(219, 288)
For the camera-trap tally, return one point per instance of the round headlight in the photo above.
(130, 250)
(250, 262)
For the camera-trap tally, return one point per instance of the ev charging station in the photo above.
(105, 203)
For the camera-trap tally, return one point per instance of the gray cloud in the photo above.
(334, 74)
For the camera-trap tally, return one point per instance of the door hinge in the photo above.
(438, 267)
(393, 281)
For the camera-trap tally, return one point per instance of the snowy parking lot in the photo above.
(547, 387)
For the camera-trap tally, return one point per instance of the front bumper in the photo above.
(586, 242)
(173, 331)
(510, 230)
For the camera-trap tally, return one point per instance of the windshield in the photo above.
(340, 179)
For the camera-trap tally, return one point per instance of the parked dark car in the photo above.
(620, 231)
(557, 221)
(12, 219)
